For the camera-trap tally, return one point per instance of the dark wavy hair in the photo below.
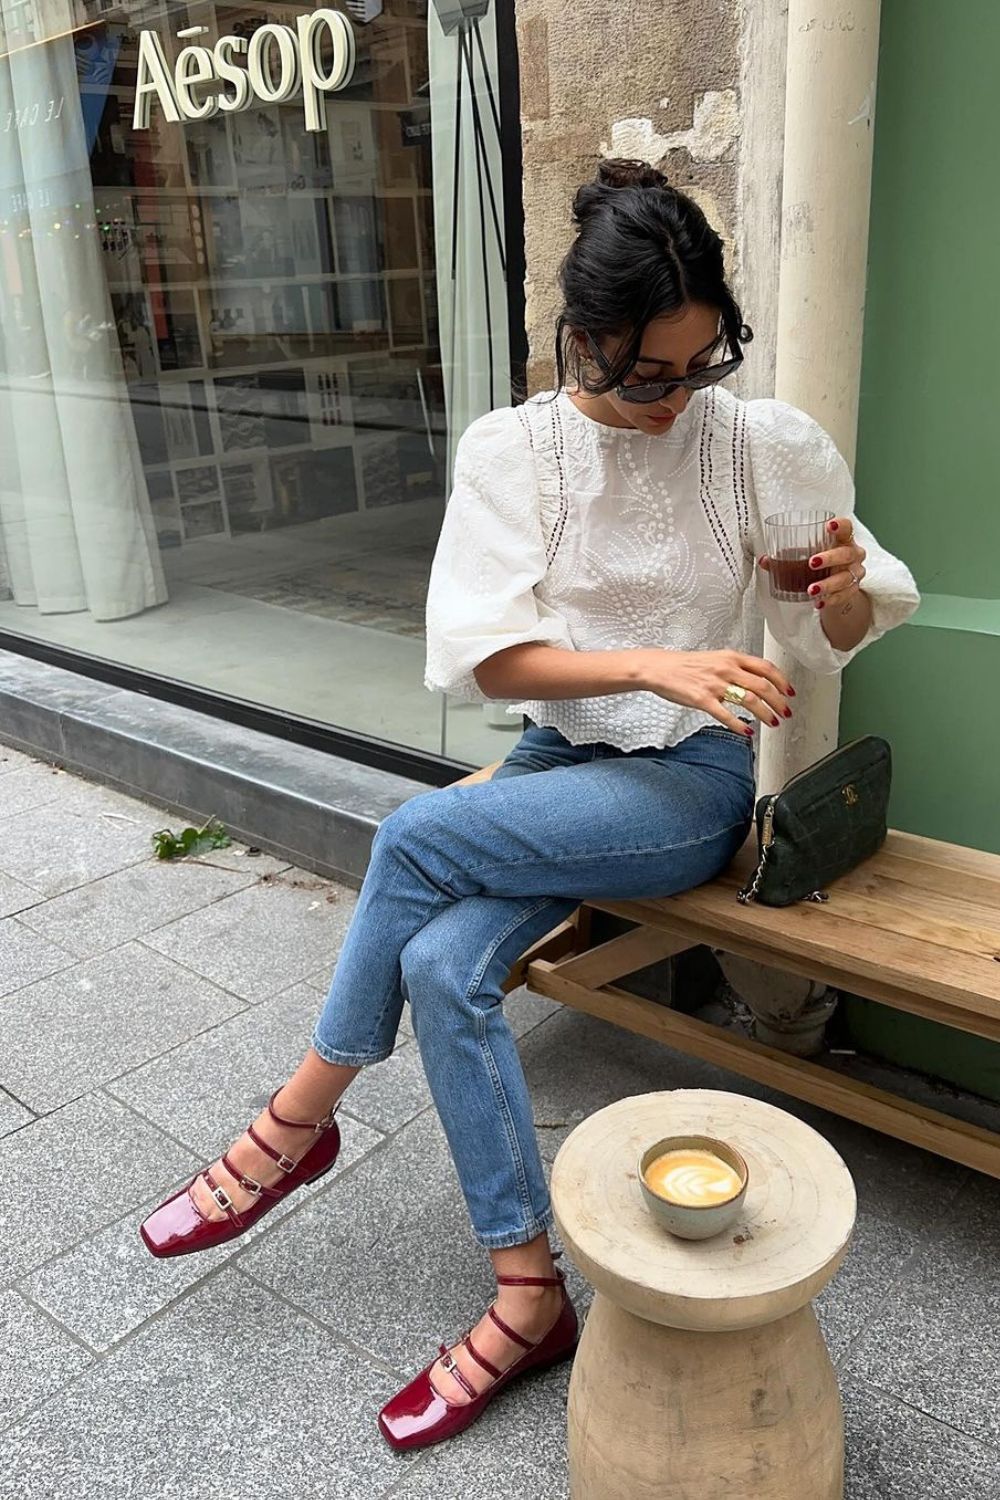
(642, 250)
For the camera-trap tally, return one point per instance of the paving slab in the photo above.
(26, 956)
(56, 848)
(108, 1285)
(74, 1171)
(112, 911)
(14, 760)
(38, 1357)
(231, 1393)
(31, 785)
(15, 896)
(82, 1027)
(264, 939)
(936, 1341)
(897, 1453)
(904, 1201)
(12, 1114)
(207, 1091)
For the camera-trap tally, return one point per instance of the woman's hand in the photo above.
(699, 679)
(846, 561)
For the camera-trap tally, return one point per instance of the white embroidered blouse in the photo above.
(592, 538)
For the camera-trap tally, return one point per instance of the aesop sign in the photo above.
(281, 61)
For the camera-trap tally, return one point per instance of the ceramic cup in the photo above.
(686, 1221)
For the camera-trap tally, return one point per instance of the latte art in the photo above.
(692, 1178)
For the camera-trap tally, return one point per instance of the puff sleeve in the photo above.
(489, 558)
(795, 466)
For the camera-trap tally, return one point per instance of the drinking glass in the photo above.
(793, 537)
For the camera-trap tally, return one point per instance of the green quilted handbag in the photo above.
(823, 823)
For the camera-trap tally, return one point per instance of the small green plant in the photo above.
(190, 841)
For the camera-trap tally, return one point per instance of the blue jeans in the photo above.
(462, 881)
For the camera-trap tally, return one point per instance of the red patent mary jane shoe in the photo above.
(419, 1415)
(178, 1226)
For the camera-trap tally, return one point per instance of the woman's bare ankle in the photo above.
(314, 1089)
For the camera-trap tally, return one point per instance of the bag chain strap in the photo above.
(749, 891)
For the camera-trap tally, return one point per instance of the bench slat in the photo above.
(955, 989)
(955, 857)
(897, 910)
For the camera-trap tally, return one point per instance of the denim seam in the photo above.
(508, 1119)
(530, 1218)
(490, 953)
(568, 859)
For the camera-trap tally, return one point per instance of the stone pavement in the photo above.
(147, 1011)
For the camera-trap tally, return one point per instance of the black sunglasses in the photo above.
(644, 393)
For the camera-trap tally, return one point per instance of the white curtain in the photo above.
(472, 307)
(76, 528)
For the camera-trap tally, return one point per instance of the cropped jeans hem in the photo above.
(499, 1239)
(347, 1059)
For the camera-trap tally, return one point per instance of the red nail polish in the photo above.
(815, 562)
(748, 733)
(821, 604)
(788, 713)
(791, 691)
(814, 589)
(834, 526)
(775, 723)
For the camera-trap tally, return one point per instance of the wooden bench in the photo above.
(917, 928)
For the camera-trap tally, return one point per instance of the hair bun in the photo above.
(620, 173)
(613, 174)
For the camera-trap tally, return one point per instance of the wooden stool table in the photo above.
(702, 1373)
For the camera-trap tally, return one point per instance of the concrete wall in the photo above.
(694, 86)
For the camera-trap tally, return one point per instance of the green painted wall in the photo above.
(928, 468)
(929, 446)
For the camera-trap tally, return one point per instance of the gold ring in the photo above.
(735, 694)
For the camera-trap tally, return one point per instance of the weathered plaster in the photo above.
(654, 78)
(713, 130)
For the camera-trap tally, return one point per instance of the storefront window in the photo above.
(235, 353)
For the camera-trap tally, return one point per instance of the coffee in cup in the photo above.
(694, 1185)
(693, 1178)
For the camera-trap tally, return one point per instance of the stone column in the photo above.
(832, 64)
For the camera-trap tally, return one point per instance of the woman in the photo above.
(596, 569)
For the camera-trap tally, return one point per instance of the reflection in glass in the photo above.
(225, 417)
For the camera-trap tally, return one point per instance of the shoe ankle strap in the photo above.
(316, 1125)
(556, 1280)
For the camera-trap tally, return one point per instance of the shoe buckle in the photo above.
(222, 1198)
(286, 1164)
(250, 1185)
